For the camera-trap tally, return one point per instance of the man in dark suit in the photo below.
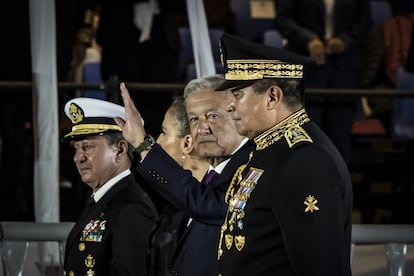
(216, 139)
(290, 206)
(112, 235)
(332, 34)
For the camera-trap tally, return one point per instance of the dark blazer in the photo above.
(301, 20)
(291, 212)
(112, 237)
(196, 253)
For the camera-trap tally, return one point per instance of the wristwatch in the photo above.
(148, 142)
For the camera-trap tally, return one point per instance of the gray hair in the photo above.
(207, 82)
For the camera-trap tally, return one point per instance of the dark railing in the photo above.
(136, 86)
(29, 232)
(395, 239)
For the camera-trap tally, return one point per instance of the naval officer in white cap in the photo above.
(112, 235)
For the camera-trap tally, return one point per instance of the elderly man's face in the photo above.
(212, 128)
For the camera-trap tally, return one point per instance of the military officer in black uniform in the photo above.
(290, 205)
(112, 235)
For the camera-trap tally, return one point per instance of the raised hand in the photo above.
(133, 128)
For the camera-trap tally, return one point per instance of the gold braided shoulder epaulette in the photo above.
(290, 129)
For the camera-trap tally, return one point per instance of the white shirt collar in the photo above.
(108, 185)
(244, 141)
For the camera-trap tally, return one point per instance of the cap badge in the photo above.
(310, 203)
(76, 113)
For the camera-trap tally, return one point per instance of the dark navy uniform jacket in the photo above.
(112, 237)
(290, 210)
(196, 253)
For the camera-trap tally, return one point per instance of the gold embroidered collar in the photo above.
(290, 128)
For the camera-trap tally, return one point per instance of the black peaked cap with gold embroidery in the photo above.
(245, 62)
(92, 117)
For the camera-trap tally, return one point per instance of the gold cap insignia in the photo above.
(310, 203)
(90, 117)
(76, 113)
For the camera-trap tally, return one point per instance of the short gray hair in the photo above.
(207, 82)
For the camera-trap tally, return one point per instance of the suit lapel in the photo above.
(182, 233)
(186, 228)
(239, 158)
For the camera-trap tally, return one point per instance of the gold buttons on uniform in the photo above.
(82, 246)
